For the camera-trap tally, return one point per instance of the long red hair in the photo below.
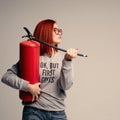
(43, 31)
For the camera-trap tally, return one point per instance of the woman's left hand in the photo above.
(70, 54)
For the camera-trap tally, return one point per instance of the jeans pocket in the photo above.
(29, 113)
(59, 115)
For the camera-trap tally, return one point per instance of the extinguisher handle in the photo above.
(30, 36)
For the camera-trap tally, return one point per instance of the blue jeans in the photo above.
(30, 113)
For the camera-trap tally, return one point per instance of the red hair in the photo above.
(43, 31)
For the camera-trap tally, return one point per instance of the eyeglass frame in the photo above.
(58, 31)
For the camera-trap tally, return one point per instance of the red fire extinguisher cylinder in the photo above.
(29, 65)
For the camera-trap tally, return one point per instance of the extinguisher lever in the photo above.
(29, 35)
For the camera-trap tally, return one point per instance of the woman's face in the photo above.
(57, 34)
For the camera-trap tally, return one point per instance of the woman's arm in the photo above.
(66, 76)
(12, 79)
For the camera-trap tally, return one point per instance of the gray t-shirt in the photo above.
(55, 77)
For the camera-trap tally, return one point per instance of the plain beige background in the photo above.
(92, 26)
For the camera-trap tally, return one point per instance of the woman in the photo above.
(55, 76)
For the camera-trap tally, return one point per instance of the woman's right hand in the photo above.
(70, 54)
(34, 89)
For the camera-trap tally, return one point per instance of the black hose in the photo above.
(29, 35)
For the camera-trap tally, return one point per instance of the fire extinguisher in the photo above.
(29, 65)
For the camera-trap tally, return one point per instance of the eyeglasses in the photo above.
(58, 31)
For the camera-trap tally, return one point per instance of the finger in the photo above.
(70, 51)
(36, 97)
(73, 53)
(33, 98)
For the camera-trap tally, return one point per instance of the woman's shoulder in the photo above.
(57, 57)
